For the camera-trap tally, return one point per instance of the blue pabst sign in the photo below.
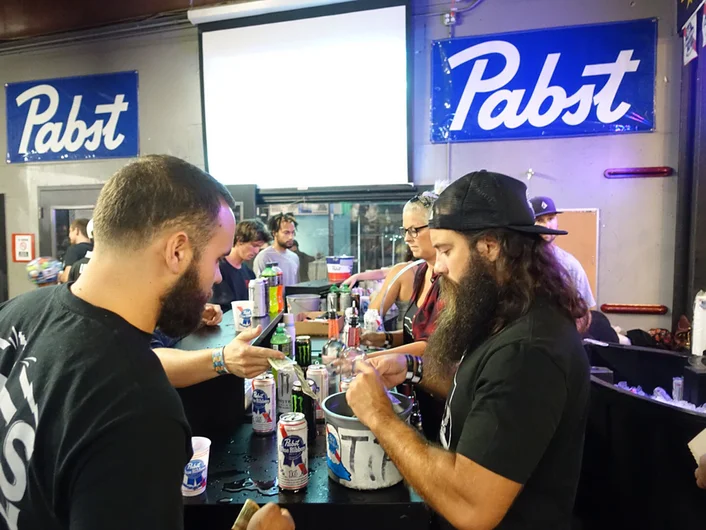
(73, 118)
(573, 81)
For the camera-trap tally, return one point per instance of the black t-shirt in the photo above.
(233, 286)
(77, 268)
(203, 402)
(76, 252)
(92, 432)
(518, 407)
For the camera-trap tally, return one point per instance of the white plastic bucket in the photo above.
(303, 303)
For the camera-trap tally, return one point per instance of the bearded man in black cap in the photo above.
(506, 356)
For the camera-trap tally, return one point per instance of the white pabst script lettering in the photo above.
(76, 133)
(561, 103)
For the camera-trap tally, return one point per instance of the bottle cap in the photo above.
(288, 318)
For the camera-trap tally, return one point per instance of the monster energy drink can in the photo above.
(292, 453)
(304, 404)
(284, 379)
(303, 351)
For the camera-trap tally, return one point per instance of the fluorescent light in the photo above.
(206, 15)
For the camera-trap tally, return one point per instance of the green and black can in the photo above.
(302, 350)
(304, 404)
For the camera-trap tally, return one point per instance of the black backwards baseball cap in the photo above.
(543, 206)
(483, 200)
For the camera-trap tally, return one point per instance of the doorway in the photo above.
(58, 208)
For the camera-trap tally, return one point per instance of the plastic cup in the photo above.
(242, 314)
(196, 471)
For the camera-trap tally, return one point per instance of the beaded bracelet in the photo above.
(218, 361)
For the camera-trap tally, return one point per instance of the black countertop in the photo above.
(217, 336)
(242, 461)
(244, 466)
(216, 407)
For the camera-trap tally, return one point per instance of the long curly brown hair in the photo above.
(526, 268)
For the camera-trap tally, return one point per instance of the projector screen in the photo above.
(310, 102)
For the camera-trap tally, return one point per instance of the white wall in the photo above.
(170, 116)
(637, 216)
(636, 242)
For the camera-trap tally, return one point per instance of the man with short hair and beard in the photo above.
(94, 436)
(507, 357)
(283, 228)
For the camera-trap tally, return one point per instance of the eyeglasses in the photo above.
(413, 232)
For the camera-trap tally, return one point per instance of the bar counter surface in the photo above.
(243, 465)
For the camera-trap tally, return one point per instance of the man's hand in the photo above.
(212, 315)
(392, 369)
(376, 339)
(701, 473)
(271, 517)
(248, 361)
(367, 397)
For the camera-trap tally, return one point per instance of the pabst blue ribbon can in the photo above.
(292, 452)
(319, 374)
(264, 404)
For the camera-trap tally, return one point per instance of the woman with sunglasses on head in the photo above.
(420, 317)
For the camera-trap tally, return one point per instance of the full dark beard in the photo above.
(470, 308)
(183, 305)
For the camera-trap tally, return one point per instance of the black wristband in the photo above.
(418, 370)
(414, 369)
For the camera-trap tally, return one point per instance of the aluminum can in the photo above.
(332, 302)
(345, 300)
(318, 374)
(264, 404)
(302, 350)
(678, 388)
(257, 294)
(345, 383)
(304, 404)
(292, 452)
(284, 380)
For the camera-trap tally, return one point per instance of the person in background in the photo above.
(424, 293)
(78, 267)
(80, 245)
(304, 260)
(283, 228)
(507, 357)
(250, 236)
(85, 397)
(423, 310)
(546, 214)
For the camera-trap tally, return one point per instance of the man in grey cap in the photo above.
(546, 214)
(508, 359)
